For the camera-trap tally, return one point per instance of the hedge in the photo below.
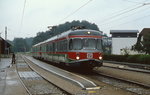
(144, 59)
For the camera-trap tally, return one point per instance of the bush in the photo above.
(120, 58)
(132, 58)
(143, 59)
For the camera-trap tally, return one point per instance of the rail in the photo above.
(138, 65)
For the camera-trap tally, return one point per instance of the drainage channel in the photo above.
(34, 83)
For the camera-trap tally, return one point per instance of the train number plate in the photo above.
(89, 55)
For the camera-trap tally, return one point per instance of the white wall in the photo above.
(119, 43)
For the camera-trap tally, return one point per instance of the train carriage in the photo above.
(77, 48)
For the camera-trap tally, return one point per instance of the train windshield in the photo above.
(87, 43)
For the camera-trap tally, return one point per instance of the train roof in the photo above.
(72, 32)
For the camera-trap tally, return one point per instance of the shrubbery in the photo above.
(144, 59)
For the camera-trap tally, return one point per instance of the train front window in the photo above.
(75, 44)
(86, 43)
(89, 43)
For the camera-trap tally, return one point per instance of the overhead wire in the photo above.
(118, 19)
(119, 14)
(72, 13)
(135, 1)
(22, 16)
(132, 20)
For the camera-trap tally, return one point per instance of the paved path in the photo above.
(10, 83)
(5, 63)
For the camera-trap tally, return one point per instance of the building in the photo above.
(4, 46)
(123, 40)
(143, 41)
(143, 34)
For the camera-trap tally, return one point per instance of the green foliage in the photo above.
(22, 45)
(143, 46)
(132, 58)
(119, 58)
(41, 36)
(143, 59)
(146, 43)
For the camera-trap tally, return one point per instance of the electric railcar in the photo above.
(77, 48)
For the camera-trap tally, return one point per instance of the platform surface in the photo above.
(10, 83)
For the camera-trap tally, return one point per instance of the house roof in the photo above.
(5, 41)
(145, 31)
(123, 31)
(1, 38)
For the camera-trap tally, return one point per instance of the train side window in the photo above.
(70, 44)
(47, 48)
(65, 45)
(53, 47)
(50, 47)
(40, 48)
(61, 46)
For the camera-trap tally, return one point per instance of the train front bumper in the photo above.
(86, 62)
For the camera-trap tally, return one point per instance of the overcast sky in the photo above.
(38, 14)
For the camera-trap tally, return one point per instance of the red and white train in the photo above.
(79, 48)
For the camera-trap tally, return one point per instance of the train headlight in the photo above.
(89, 32)
(100, 57)
(77, 57)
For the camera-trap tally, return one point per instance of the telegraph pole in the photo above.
(5, 40)
(0, 47)
(6, 33)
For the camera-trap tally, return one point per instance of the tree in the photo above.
(146, 43)
(20, 45)
(143, 45)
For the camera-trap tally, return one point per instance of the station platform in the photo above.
(10, 83)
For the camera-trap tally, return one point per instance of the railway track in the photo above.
(130, 70)
(132, 65)
(131, 86)
(126, 67)
(139, 87)
(130, 81)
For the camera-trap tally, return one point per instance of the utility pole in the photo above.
(5, 40)
(5, 33)
(0, 47)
